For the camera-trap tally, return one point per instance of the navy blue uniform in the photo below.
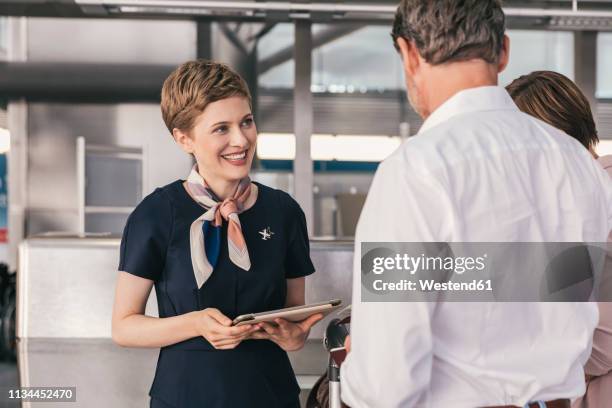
(192, 373)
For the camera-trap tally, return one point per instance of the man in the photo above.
(478, 171)
(555, 99)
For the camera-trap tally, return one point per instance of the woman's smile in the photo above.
(236, 158)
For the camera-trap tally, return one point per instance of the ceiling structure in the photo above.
(596, 14)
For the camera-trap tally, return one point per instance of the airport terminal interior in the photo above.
(82, 142)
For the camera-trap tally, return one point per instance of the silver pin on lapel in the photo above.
(266, 233)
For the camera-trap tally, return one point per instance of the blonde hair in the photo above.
(191, 87)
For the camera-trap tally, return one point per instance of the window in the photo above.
(532, 50)
(366, 61)
(604, 148)
(5, 139)
(280, 76)
(3, 39)
(362, 61)
(342, 148)
(604, 66)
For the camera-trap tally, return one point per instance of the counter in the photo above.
(65, 292)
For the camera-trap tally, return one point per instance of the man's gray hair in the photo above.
(451, 30)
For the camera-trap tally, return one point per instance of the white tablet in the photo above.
(294, 314)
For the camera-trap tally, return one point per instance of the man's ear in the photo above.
(183, 139)
(411, 59)
(504, 55)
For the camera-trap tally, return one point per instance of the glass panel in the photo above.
(604, 148)
(539, 50)
(362, 61)
(5, 137)
(349, 148)
(604, 65)
(279, 38)
(366, 61)
(112, 223)
(112, 181)
(3, 39)
(349, 64)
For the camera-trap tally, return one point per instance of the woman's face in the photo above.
(223, 140)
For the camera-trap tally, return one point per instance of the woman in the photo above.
(216, 246)
(556, 100)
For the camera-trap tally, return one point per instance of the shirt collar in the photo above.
(484, 98)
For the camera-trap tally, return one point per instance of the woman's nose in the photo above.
(238, 138)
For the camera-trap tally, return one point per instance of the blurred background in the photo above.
(82, 142)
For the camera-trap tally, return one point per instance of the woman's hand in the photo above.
(288, 335)
(215, 327)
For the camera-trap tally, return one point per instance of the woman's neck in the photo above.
(222, 188)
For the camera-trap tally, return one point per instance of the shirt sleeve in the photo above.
(145, 238)
(297, 260)
(391, 343)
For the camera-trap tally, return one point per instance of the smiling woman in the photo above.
(224, 148)
(199, 242)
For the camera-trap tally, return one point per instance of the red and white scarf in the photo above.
(216, 211)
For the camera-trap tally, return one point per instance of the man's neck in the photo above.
(448, 79)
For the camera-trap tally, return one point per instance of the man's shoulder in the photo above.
(478, 134)
(472, 124)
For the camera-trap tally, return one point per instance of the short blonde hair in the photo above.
(192, 86)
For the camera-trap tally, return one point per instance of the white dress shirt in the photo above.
(479, 170)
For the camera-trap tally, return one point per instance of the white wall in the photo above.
(52, 128)
(111, 41)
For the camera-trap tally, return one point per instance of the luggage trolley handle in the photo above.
(333, 377)
(335, 335)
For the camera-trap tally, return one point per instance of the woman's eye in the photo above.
(221, 129)
(247, 122)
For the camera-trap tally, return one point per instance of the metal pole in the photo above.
(204, 40)
(17, 166)
(333, 377)
(585, 65)
(81, 184)
(303, 177)
(232, 44)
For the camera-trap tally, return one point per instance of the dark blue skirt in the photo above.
(257, 375)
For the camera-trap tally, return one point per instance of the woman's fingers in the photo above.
(235, 331)
(219, 317)
(306, 324)
(215, 328)
(270, 328)
(283, 324)
(260, 335)
(248, 334)
(224, 343)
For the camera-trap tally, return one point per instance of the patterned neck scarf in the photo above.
(205, 232)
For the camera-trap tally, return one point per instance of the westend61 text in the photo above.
(428, 285)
